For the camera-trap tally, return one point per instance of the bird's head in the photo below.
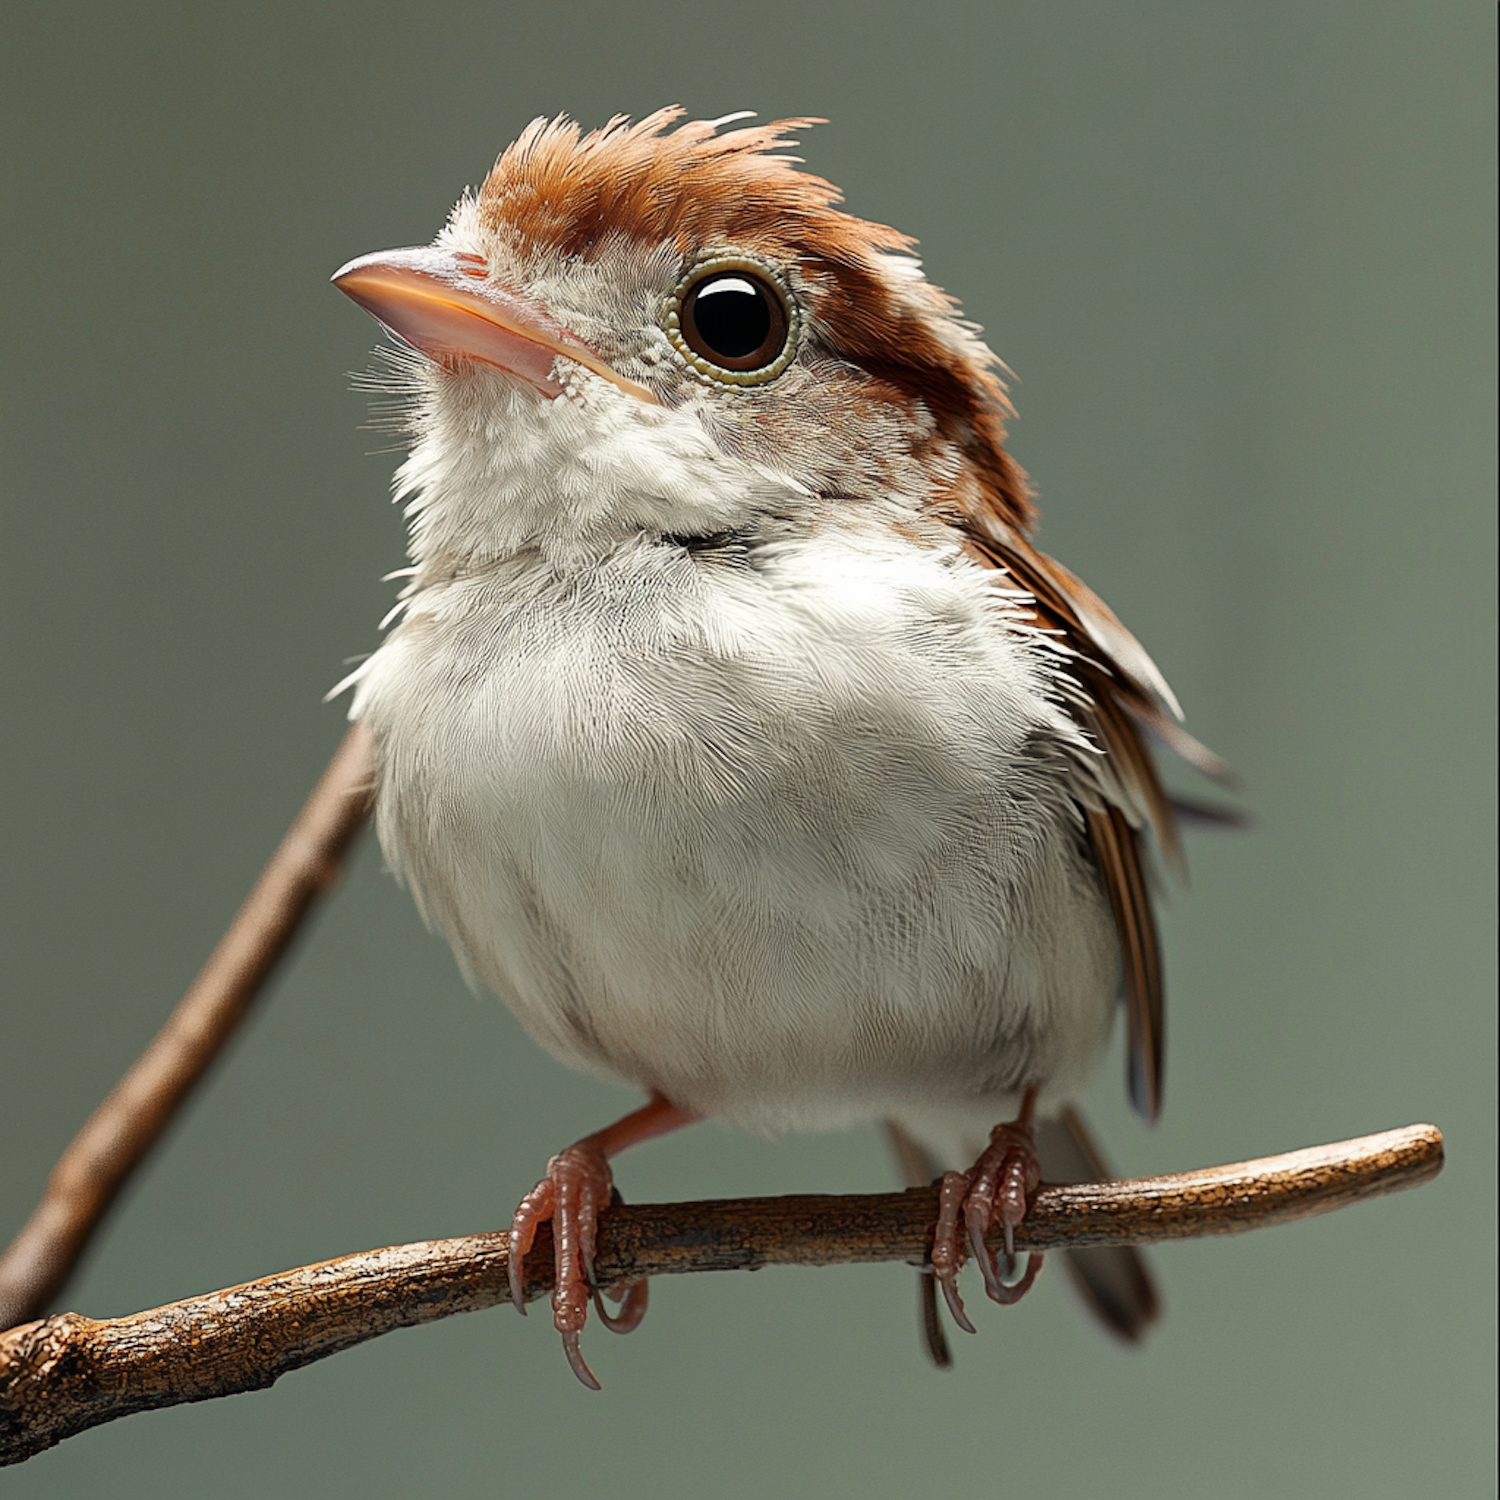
(649, 329)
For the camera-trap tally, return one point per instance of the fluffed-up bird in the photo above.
(731, 728)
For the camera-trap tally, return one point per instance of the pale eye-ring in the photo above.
(733, 321)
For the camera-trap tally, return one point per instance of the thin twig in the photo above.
(68, 1373)
(120, 1132)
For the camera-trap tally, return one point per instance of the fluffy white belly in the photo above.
(786, 835)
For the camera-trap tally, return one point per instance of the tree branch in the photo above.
(120, 1132)
(65, 1374)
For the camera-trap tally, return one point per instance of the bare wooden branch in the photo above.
(120, 1132)
(65, 1374)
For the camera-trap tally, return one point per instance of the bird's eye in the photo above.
(734, 319)
(733, 322)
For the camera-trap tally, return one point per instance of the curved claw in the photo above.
(1012, 1196)
(955, 1303)
(576, 1361)
(1008, 1292)
(534, 1210)
(947, 1253)
(996, 1287)
(632, 1298)
(981, 1253)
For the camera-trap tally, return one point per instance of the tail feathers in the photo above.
(1115, 1282)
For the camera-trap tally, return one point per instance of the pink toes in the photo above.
(993, 1191)
(577, 1186)
(947, 1251)
(632, 1299)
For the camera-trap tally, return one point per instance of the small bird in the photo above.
(731, 728)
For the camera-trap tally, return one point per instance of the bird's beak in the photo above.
(443, 303)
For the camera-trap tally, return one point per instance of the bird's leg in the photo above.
(577, 1186)
(993, 1190)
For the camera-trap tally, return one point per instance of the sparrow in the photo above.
(730, 726)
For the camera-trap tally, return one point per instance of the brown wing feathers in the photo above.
(1112, 707)
(1117, 846)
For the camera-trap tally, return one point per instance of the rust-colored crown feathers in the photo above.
(698, 186)
(555, 185)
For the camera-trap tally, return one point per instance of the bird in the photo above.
(729, 723)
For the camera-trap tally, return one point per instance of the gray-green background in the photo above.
(1240, 259)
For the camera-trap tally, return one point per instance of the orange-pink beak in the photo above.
(442, 303)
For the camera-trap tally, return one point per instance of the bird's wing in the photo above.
(1120, 698)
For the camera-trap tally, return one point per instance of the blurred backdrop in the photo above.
(1240, 259)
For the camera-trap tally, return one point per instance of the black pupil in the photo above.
(732, 316)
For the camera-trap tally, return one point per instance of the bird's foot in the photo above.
(578, 1185)
(993, 1191)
